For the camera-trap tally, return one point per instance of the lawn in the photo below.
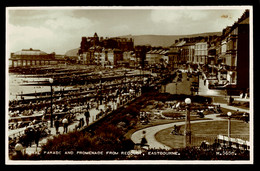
(204, 131)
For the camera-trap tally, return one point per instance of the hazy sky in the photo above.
(61, 29)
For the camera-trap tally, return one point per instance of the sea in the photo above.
(15, 88)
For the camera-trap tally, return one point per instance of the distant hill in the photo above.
(153, 40)
(72, 53)
(163, 40)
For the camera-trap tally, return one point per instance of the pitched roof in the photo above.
(181, 43)
(32, 52)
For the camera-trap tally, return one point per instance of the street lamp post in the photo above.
(176, 87)
(230, 79)
(51, 81)
(229, 126)
(198, 83)
(100, 95)
(125, 78)
(187, 131)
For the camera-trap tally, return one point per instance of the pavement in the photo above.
(226, 106)
(93, 112)
(219, 97)
(205, 91)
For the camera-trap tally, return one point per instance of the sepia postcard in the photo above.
(129, 85)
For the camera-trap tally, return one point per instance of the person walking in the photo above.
(87, 115)
(65, 125)
(37, 136)
(88, 106)
(57, 124)
(29, 134)
(143, 140)
(81, 122)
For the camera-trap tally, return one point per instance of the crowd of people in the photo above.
(32, 134)
(101, 89)
(65, 106)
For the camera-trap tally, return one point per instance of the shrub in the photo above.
(173, 114)
(106, 135)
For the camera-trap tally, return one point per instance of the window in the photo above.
(235, 31)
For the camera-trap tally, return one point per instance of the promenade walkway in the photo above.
(93, 112)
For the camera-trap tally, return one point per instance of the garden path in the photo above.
(151, 131)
